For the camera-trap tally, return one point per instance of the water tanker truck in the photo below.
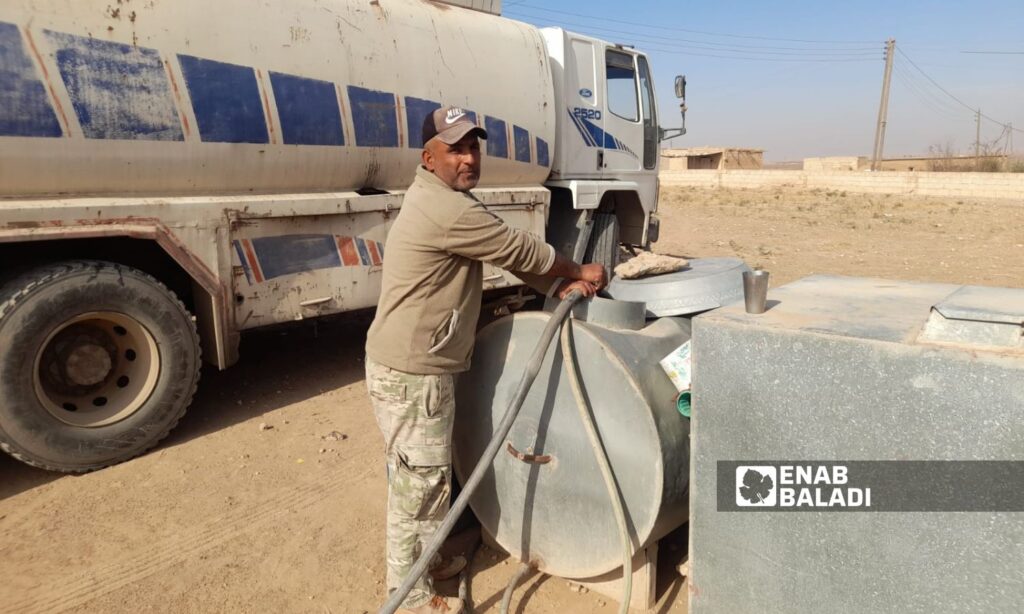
(172, 174)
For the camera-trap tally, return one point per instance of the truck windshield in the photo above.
(621, 76)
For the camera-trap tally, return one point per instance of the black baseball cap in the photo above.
(450, 124)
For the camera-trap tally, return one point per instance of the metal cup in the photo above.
(755, 290)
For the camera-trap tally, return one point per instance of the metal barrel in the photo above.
(544, 501)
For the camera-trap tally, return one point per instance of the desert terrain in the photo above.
(269, 496)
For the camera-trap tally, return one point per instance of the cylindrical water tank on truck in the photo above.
(235, 96)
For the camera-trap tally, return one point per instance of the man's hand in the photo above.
(586, 288)
(594, 274)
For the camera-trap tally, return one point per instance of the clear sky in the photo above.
(804, 78)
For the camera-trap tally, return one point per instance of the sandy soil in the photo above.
(226, 516)
(798, 233)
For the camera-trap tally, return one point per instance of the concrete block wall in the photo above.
(836, 163)
(742, 159)
(962, 185)
(674, 164)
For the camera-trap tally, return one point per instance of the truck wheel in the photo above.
(98, 362)
(604, 242)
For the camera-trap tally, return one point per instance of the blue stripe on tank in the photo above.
(122, 91)
(374, 117)
(226, 101)
(24, 107)
(290, 254)
(308, 109)
(497, 137)
(364, 253)
(522, 144)
(118, 91)
(243, 261)
(416, 111)
(543, 157)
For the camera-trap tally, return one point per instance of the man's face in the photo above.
(457, 165)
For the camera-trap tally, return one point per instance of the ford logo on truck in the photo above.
(586, 93)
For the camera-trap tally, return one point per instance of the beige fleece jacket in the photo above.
(433, 276)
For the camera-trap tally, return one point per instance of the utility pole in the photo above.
(883, 108)
(977, 140)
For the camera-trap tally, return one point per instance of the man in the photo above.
(425, 329)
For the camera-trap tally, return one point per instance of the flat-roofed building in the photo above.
(714, 158)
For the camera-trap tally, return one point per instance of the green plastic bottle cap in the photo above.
(683, 403)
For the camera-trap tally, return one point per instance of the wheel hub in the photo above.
(88, 365)
(96, 369)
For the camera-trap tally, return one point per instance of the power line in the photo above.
(753, 59)
(704, 32)
(522, 4)
(708, 45)
(720, 92)
(712, 46)
(934, 82)
(904, 77)
(944, 48)
(926, 90)
(808, 55)
(996, 52)
(947, 92)
(766, 53)
(1006, 134)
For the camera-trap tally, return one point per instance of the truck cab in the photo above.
(606, 144)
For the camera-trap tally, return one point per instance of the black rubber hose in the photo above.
(532, 369)
(611, 485)
(506, 599)
(601, 456)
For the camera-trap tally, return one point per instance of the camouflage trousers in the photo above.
(415, 414)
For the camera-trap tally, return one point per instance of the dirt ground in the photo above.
(226, 516)
(798, 233)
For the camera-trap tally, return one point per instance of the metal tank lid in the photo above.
(982, 304)
(978, 316)
(707, 283)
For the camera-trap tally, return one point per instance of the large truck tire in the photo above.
(98, 362)
(604, 242)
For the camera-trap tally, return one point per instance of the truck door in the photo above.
(649, 108)
(585, 101)
(623, 124)
(631, 138)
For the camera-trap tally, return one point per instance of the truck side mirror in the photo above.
(669, 133)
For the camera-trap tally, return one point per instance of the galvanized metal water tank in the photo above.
(855, 369)
(544, 500)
